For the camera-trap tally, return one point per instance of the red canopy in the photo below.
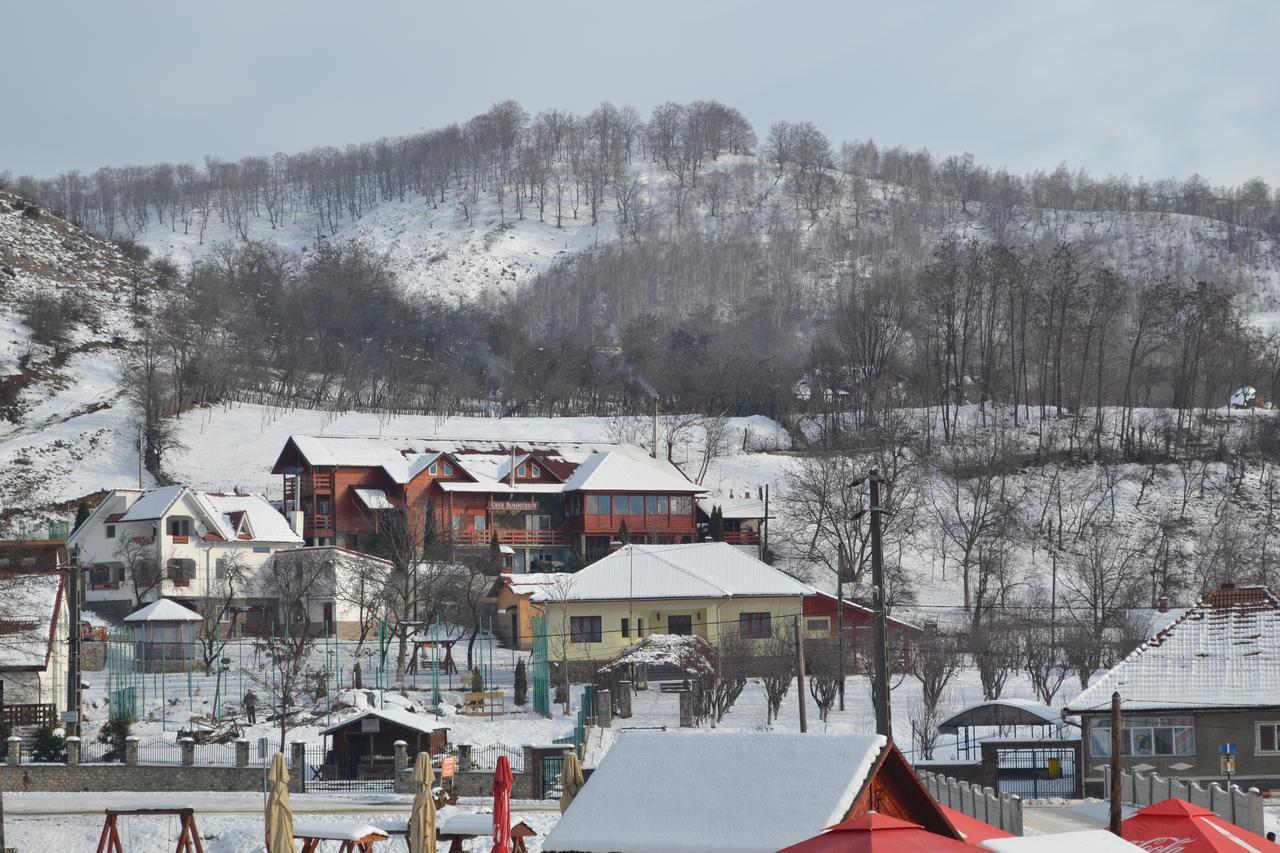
(502, 781)
(876, 833)
(1176, 826)
(974, 831)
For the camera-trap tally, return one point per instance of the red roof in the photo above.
(875, 833)
(974, 831)
(1180, 826)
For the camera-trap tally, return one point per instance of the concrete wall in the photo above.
(983, 803)
(1238, 806)
(118, 777)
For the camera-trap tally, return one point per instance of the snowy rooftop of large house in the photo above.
(733, 508)
(715, 791)
(235, 515)
(698, 570)
(536, 582)
(591, 466)
(1222, 653)
(29, 607)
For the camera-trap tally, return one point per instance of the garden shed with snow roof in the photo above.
(1210, 678)
(364, 746)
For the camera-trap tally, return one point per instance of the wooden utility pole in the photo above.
(1116, 741)
(880, 687)
(73, 640)
(804, 721)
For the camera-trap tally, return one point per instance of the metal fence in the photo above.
(159, 750)
(586, 713)
(486, 757)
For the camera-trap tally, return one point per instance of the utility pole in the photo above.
(1116, 741)
(840, 568)
(804, 721)
(73, 639)
(880, 689)
(1053, 594)
(140, 456)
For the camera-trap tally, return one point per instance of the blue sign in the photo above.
(1227, 748)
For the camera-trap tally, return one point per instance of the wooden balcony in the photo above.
(315, 483)
(557, 538)
(318, 525)
(742, 537)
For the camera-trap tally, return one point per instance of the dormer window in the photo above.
(448, 470)
(534, 471)
(431, 469)
(520, 471)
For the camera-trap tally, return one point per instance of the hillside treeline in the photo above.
(557, 165)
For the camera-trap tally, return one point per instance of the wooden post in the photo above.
(804, 722)
(1116, 741)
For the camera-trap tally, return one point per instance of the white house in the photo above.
(33, 645)
(181, 539)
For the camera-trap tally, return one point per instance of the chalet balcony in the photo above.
(742, 537)
(311, 484)
(318, 525)
(554, 538)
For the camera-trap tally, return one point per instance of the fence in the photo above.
(586, 714)
(1002, 810)
(1240, 807)
(486, 757)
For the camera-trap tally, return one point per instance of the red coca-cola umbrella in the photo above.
(877, 833)
(974, 831)
(502, 806)
(1176, 826)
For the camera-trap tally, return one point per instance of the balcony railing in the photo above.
(512, 537)
(319, 482)
(319, 523)
(742, 537)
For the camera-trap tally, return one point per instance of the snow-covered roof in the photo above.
(1222, 653)
(537, 583)
(501, 487)
(374, 499)
(1002, 712)
(735, 508)
(30, 605)
(1098, 840)
(265, 523)
(164, 610)
(417, 722)
(705, 791)
(685, 651)
(697, 570)
(153, 505)
(616, 472)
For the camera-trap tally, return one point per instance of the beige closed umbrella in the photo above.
(422, 821)
(570, 779)
(279, 814)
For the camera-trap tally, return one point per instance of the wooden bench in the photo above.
(353, 836)
(484, 704)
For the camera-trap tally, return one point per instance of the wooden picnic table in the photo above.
(457, 826)
(188, 836)
(354, 836)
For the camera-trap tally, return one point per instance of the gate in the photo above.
(552, 765)
(1034, 772)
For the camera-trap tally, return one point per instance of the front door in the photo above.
(682, 625)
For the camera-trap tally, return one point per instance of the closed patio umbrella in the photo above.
(1179, 825)
(279, 814)
(877, 833)
(502, 782)
(570, 779)
(422, 821)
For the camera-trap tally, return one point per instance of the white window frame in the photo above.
(535, 471)
(479, 522)
(1257, 737)
(431, 469)
(520, 470)
(448, 470)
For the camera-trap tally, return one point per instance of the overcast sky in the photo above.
(1158, 88)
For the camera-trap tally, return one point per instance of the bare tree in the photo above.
(995, 651)
(734, 657)
(776, 664)
(138, 554)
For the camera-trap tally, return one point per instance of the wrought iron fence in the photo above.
(159, 750)
(486, 757)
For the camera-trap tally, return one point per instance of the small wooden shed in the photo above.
(363, 747)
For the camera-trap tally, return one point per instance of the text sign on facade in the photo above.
(448, 766)
(371, 724)
(513, 505)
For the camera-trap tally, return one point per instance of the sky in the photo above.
(1154, 88)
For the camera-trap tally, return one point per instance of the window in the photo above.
(681, 625)
(1146, 736)
(535, 471)
(181, 569)
(812, 625)
(179, 526)
(754, 626)
(220, 568)
(323, 506)
(261, 549)
(626, 627)
(432, 469)
(520, 471)
(639, 627)
(584, 629)
(681, 505)
(111, 531)
(628, 504)
(1268, 738)
(478, 521)
(651, 505)
(448, 470)
(456, 522)
(662, 504)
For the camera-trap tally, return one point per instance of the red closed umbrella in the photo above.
(502, 806)
(1176, 826)
(974, 831)
(876, 833)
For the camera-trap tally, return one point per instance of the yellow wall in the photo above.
(710, 617)
(525, 611)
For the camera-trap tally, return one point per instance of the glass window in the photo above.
(651, 505)
(584, 629)
(1145, 736)
(1267, 739)
(662, 505)
(637, 504)
(621, 504)
(816, 625)
(535, 471)
(220, 568)
(179, 526)
(639, 627)
(448, 470)
(520, 471)
(681, 505)
(261, 549)
(626, 627)
(111, 531)
(432, 469)
(479, 522)
(754, 626)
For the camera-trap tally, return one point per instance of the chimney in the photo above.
(511, 475)
(655, 426)
(295, 520)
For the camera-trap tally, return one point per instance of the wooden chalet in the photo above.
(546, 503)
(742, 792)
(363, 747)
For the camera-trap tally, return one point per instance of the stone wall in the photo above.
(120, 777)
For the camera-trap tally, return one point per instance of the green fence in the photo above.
(539, 667)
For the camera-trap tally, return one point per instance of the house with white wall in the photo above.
(174, 542)
(34, 632)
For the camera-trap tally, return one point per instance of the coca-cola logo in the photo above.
(1166, 844)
